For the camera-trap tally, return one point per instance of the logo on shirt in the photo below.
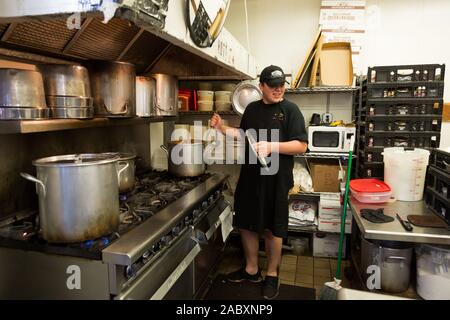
(278, 116)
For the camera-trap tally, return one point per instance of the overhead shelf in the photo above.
(31, 126)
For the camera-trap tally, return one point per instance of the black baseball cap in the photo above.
(273, 76)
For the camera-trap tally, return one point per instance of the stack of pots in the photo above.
(68, 91)
(78, 196)
(114, 88)
(22, 95)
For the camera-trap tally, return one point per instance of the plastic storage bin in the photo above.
(433, 272)
(370, 190)
(404, 171)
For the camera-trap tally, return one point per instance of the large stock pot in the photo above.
(78, 196)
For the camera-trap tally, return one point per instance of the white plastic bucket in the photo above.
(404, 172)
(433, 272)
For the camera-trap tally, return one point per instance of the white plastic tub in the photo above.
(224, 96)
(204, 105)
(404, 171)
(222, 106)
(433, 272)
(205, 95)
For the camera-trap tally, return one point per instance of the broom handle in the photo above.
(344, 215)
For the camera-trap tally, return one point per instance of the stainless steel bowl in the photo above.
(21, 89)
(245, 93)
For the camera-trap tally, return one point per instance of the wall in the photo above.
(398, 32)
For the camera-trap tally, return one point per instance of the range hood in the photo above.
(151, 34)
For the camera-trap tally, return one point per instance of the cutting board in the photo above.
(430, 221)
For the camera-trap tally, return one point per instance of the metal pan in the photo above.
(245, 93)
(72, 113)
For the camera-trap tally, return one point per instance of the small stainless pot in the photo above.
(127, 175)
(185, 158)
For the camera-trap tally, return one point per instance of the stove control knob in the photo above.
(196, 213)
(187, 220)
(176, 231)
(130, 271)
(155, 247)
(166, 240)
(211, 199)
(146, 255)
(204, 205)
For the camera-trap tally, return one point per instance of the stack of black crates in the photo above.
(398, 106)
(437, 193)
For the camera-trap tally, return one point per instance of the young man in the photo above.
(261, 200)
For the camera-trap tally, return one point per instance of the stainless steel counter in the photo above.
(393, 230)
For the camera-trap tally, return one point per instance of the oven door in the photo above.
(170, 276)
(326, 139)
(209, 229)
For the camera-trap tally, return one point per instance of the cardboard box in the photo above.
(327, 245)
(325, 177)
(336, 67)
(334, 225)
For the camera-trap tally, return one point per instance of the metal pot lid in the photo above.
(76, 160)
(245, 93)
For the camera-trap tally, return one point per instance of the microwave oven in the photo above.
(331, 139)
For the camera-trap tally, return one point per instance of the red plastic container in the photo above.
(370, 190)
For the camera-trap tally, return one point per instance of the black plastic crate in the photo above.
(441, 160)
(406, 73)
(371, 171)
(371, 156)
(408, 140)
(402, 109)
(402, 124)
(406, 91)
(439, 181)
(436, 204)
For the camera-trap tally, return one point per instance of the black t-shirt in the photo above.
(261, 201)
(259, 115)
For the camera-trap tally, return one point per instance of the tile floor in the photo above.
(303, 271)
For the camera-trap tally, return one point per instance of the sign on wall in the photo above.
(344, 21)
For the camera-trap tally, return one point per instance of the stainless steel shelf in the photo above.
(336, 89)
(31, 126)
(193, 113)
(320, 155)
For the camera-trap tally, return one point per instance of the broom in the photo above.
(331, 289)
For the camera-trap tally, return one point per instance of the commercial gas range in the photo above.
(167, 245)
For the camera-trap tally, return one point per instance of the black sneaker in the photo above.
(242, 275)
(271, 287)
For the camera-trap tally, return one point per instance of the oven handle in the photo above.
(216, 225)
(172, 279)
